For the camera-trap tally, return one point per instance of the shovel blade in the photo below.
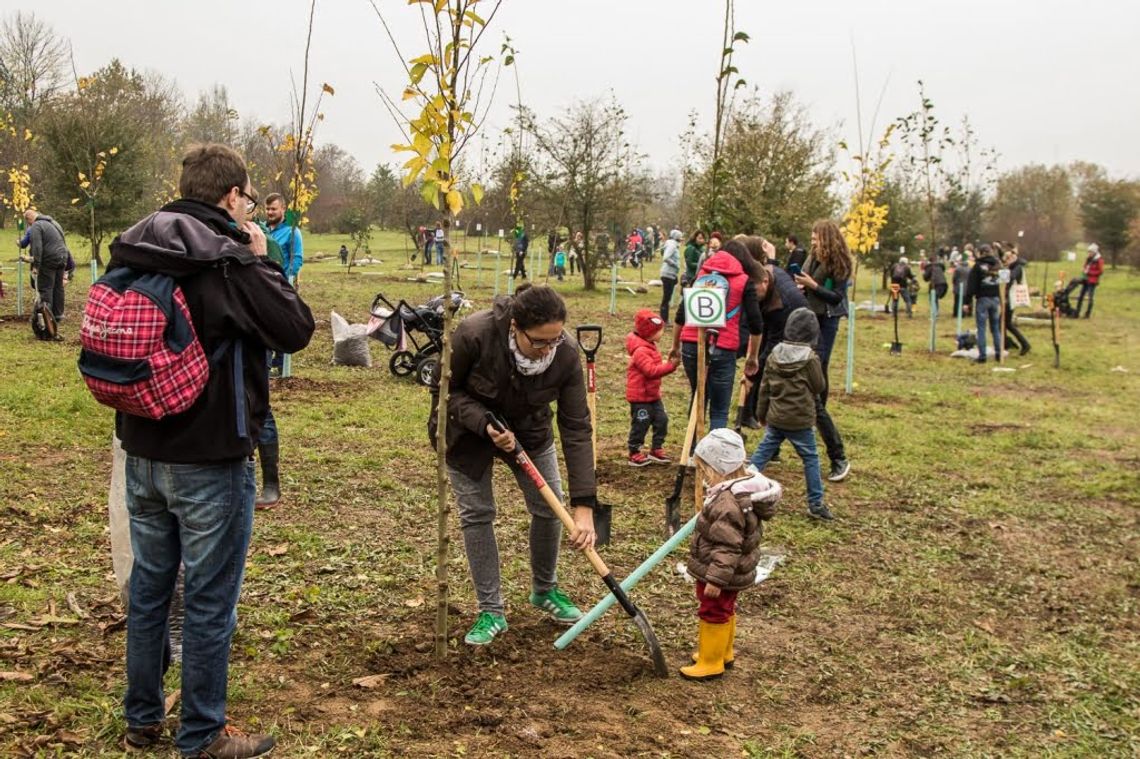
(660, 668)
(603, 516)
(896, 349)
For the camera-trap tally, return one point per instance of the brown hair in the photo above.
(832, 250)
(754, 244)
(210, 171)
(274, 197)
(533, 305)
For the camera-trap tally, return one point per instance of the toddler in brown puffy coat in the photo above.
(726, 545)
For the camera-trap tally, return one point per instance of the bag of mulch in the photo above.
(350, 343)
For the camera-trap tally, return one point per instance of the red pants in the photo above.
(717, 610)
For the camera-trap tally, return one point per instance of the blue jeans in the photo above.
(718, 383)
(268, 434)
(199, 515)
(804, 443)
(439, 259)
(1089, 290)
(988, 310)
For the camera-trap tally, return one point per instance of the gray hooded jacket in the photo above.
(49, 251)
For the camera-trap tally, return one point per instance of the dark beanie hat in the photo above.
(802, 327)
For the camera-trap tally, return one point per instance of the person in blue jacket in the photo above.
(286, 235)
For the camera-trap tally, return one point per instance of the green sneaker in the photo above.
(562, 609)
(486, 627)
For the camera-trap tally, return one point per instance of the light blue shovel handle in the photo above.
(626, 584)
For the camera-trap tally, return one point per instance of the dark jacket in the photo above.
(935, 274)
(645, 370)
(484, 378)
(961, 274)
(797, 256)
(49, 251)
(901, 275)
(1016, 276)
(983, 281)
(830, 298)
(726, 542)
(773, 317)
(232, 295)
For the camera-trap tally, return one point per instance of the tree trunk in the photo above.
(443, 509)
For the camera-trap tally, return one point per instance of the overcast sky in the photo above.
(1041, 80)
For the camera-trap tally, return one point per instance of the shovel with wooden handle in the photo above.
(590, 340)
(696, 413)
(636, 614)
(741, 403)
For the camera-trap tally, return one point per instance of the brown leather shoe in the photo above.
(142, 738)
(234, 744)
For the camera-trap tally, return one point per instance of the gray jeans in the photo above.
(476, 502)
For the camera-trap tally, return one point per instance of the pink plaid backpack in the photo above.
(140, 353)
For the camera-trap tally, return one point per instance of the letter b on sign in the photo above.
(704, 306)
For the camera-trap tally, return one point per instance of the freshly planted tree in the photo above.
(446, 85)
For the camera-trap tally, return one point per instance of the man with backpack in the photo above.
(189, 476)
(902, 276)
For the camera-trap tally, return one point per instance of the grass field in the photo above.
(977, 596)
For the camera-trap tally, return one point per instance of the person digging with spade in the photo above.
(514, 360)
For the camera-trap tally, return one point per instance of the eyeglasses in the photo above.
(543, 344)
(250, 201)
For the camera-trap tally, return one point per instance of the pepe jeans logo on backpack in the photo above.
(140, 353)
(101, 330)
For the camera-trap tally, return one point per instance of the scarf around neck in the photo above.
(529, 367)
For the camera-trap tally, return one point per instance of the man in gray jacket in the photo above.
(49, 258)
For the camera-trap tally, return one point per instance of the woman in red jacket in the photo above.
(1094, 267)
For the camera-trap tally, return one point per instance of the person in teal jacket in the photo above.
(693, 253)
(286, 235)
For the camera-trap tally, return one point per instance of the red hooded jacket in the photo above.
(723, 263)
(645, 370)
(1094, 267)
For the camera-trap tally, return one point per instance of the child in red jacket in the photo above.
(643, 388)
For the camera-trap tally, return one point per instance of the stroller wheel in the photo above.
(425, 369)
(402, 363)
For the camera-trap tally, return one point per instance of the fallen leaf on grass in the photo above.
(17, 677)
(277, 550)
(171, 700)
(370, 681)
(19, 626)
(412, 603)
(73, 604)
(985, 627)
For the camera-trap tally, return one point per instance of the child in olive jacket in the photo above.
(792, 380)
(726, 545)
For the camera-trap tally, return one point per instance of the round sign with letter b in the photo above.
(704, 306)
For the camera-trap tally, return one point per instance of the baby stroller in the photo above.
(1062, 300)
(414, 332)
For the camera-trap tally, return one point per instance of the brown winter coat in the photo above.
(484, 378)
(726, 543)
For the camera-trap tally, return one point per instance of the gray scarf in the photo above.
(529, 367)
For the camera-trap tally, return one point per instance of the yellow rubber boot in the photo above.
(729, 653)
(711, 645)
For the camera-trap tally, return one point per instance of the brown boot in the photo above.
(234, 744)
(711, 646)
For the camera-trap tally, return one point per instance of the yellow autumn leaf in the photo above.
(409, 93)
(454, 202)
(477, 193)
(27, 134)
(326, 87)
